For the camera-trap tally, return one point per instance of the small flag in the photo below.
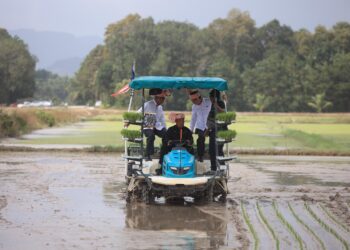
(123, 90)
(126, 88)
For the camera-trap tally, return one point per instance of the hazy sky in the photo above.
(91, 17)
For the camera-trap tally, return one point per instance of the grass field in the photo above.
(271, 131)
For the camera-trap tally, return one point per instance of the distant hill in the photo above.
(58, 52)
(66, 67)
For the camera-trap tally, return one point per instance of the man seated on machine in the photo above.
(177, 135)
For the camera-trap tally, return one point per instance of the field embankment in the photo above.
(257, 133)
(15, 122)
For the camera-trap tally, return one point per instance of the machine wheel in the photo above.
(210, 194)
(222, 197)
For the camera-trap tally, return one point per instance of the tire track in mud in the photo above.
(239, 224)
(3, 204)
(326, 223)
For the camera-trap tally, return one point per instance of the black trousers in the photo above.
(151, 136)
(212, 149)
(200, 142)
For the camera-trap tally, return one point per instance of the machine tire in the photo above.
(210, 194)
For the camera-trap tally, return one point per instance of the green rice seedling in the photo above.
(307, 227)
(228, 135)
(288, 225)
(250, 226)
(227, 117)
(132, 116)
(334, 219)
(130, 134)
(262, 216)
(326, 226)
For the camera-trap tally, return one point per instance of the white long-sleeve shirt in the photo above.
(200, 115)
(151, 107)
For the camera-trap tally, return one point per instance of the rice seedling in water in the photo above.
(334, 219)
(262, 216)
(250, 226)
(307, 227)
(325, 226)
(288, 225)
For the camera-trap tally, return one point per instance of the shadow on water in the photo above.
(198, 229)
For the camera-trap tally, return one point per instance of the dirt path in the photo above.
(76, 201)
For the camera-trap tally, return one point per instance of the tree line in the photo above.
(17, 69)
(268, 68)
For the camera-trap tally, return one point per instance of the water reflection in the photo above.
(198, 229)
(295, 179)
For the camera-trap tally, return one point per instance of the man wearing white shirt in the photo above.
(200, 111)
(154, 121)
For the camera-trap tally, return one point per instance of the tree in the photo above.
(17, 69)
(49, 86)
(272, 36)
(84, 87)
(319, 103)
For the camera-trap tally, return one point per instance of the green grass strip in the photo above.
(334, 219)
(262, 216)
(307, 227)
(314, 141)
(325, 226)
(250, 226)
(288, 225)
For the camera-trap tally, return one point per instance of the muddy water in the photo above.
(77, 201)
(66, 200)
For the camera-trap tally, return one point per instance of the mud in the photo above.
(77, 201)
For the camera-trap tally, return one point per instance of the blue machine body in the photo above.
(179, 163)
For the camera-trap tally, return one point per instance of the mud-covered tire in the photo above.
(223, 197)
(147, 195)
(209, 194)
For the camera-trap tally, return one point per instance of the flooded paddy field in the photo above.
(77, 201)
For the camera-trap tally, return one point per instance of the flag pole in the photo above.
(132, 90)
(130, 101)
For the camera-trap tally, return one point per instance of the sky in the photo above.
(91, 17)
